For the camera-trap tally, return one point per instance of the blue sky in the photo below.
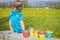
(43, 0)
(6, 1)
(29, 0)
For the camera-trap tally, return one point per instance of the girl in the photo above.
(16, 18)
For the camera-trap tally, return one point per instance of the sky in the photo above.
(6, 1)
(43, 0)
(49, 0)
(29, 0)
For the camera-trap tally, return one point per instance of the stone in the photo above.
(8, 35)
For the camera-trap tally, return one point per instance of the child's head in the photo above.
(17, 6)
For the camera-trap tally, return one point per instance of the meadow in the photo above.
(40, 19)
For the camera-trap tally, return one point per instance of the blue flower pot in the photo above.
(49, 35)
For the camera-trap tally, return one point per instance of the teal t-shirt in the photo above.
(15, 18)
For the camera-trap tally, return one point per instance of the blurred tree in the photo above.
(10, 5)
(0, 5)
(57, 5)
(3, 5)
(25, 3)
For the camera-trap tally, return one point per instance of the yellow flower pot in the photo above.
(41, 36)
(36, 35)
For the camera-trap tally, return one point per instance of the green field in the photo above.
(41, 19)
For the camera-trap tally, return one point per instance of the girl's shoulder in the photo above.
(12, 13)
(15, 13)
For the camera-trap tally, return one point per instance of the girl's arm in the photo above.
(22, 25)
(10, 25)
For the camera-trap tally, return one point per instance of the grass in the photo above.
(41, 19)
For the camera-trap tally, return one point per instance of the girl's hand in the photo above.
(11, 26)
(22, 25)
(23, 30)
(12, 31)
